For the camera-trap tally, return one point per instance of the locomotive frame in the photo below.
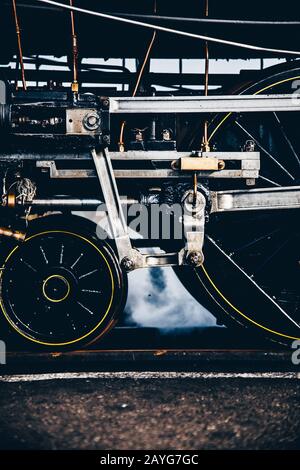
(77, 134)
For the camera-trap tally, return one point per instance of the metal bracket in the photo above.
(55, 173)
(116, 219)
(83, 121)
(130, 257)
(193, 225)
(247, 165)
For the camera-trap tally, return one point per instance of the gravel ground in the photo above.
(128, 413)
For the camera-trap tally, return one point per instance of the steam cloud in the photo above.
(158, 299)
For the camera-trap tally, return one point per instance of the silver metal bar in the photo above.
(256, 199)
(166, 155)
(116, 218)
(140, 155)
(63, 202)
(250, 165)
(92, 204)
(154, 174)
(204, 104)
(156, 260)
(137, 155)
(222, 201)
(161, 174)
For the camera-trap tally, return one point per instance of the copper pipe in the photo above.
(146, 56)
(138, 81)
(206, 12)
(206, 69)
(6, 232)
(75, 51)
(205, 144)
(121, 142)
(19, 41)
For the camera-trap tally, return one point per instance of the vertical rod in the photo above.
(205, 144)
(206, 55)
(19, 41)
(138, 81)
(75, 86)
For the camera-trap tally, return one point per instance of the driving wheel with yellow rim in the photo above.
(62, 287)
(251, 273)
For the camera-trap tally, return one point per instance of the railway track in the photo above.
(147, 349)
(216, 388)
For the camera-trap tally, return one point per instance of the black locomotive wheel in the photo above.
(62, 288)
(251, 271)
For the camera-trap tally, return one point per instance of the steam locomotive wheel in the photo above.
(251, 271)
(62, 289)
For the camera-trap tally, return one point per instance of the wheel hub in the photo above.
(56, 288)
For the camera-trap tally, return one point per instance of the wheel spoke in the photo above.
(76, 261)
(88, 274)
(271, 257)
(269, 181)
(253, 242)
(263, 149)
(44, 255)
(92, 291)
(28, 265)
(61, 254)
(286, 138)
(85, 308)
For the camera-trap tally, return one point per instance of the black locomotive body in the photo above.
(215, 156)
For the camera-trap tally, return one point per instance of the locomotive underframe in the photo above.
(91, 125)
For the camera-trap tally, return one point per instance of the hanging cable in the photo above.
(20, 50)
(208, 20)
(173, 31)
(138, 81)
(183, 19)
(75, 85)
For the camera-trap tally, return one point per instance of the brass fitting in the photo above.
(6, 232)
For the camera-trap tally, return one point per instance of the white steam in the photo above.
(156, 297)
(162, 301)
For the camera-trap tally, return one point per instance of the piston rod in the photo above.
(72, 203)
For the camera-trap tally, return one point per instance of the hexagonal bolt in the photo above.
(195, 258)
(127, 264)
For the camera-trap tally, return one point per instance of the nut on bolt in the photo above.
(106, 139)
(127, 264)
(92, 121)
(195, 258)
